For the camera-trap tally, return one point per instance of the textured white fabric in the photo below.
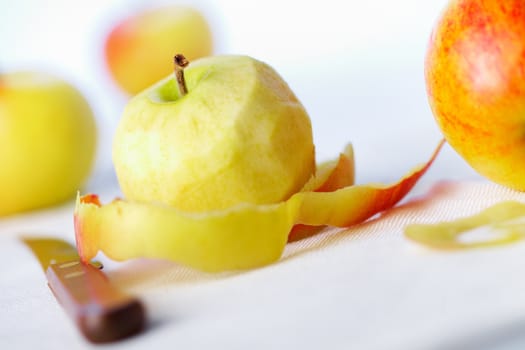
(367, 287)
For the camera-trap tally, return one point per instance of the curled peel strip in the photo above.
(241, 237)
(354, 204)
(501, 224)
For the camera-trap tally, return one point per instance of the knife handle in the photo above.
(102, 312)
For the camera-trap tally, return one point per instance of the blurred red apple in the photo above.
(139, 49)
(475, 76)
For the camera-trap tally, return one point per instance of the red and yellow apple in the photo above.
(138, 49)
(47, 141)
(475, 76)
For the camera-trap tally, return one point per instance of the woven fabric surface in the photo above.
(366, 287)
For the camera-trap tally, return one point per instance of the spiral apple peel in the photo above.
(242, 237)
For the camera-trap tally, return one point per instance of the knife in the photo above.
(101, 311)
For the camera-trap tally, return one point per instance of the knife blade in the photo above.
(102, 312)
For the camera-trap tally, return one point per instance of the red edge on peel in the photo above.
(388, 197)
(90, 199)
(341, 176)
(86, 199)
(385, 198)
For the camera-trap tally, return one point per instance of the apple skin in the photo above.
(240, 135)
(139, 49)
(47, 141)
(475, 78)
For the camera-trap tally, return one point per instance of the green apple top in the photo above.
(47, 141)
(239, 135)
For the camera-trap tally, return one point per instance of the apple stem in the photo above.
(180, 62)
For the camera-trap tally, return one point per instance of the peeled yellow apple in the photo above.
(239, 135)
(47, 141)
(137, 47)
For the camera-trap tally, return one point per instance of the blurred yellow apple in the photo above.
(47, 141)
(137, 47)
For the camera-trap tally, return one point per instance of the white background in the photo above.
(357, 66)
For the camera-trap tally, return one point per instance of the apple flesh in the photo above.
(239, 135)
(475, 76)
(47, 141)
(137, 47)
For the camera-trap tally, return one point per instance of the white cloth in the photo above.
(366, 287)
